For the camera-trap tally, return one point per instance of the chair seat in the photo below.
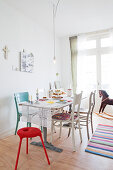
(62, 116)
(29, 132)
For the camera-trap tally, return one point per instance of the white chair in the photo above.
(50, 86)
(86, 114)
(57, 84)
(71, 118)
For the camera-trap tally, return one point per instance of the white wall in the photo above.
(65, 62)
(19, 32)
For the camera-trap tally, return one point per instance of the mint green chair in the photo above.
(20, 97)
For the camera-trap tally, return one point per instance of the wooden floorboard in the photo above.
(67, 160)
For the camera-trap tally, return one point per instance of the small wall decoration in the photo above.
(27, 62)
(6, 50)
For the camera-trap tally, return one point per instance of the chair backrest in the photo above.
(91, 102)
(50, 86)
(76, 103)
(57, 84)
(20, 97)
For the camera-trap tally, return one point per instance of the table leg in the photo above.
(68, 124)
(70, 107)
(46, 143)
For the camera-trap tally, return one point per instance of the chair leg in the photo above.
(28, 124)
(87, 129)
(41, 129)
(52, 126)
(45, 150)
(17, 126)
(60, 129)
(73, 138)
(91, 123)
(26, 145)
(18, 154)
(54, 130)
(69, 132)
(80, 130)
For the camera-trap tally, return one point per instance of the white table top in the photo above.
(49, 104)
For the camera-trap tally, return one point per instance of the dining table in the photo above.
(40, 112)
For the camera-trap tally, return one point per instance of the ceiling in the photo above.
(73, 16)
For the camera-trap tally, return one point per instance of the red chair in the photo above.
(29, 132)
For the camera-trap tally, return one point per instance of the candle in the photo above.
(29, 98)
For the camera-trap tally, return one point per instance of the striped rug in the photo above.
(101, 142)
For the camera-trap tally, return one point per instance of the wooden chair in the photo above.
(50, 86)
(86, 114)
(57, 85)
(71, 118)
(20, 97)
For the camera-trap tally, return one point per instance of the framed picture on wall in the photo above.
(27, 62)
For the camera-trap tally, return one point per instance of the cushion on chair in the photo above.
(62, 116)
(29, 132)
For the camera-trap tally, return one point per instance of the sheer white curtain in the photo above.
(86, 65)
(74, 51)
(107, 63)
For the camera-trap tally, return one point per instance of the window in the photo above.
(89, 44)
(95, 60)
(107, 42)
